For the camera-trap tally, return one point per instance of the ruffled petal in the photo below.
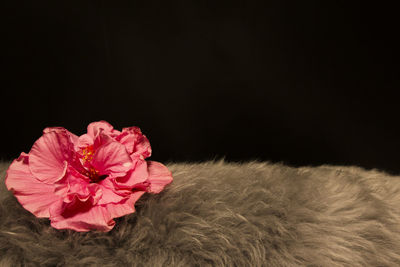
(94, 128)
(73, 137)
(159, 177)
(49, 156)
(110, 194)
(135, 141)
(102, 138)
(84, 141)
(80, 216)
(82, 190)
(124, 207)
(128, 140)
(137, 175)
(112, 159)
(33, 195)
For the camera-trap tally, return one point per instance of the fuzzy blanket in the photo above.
(228, 214)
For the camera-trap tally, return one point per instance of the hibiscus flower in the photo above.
(83, 183)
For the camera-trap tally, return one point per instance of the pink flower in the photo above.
(83, 183)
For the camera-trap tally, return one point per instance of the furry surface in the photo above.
(228, 214)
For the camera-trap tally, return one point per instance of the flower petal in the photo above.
(159, 177)
(112, 159)
(80, 216)
(49, 156)
(33, 195)
(84, 141)
(135, 141)
(124, 207)
(110, 193)
(94, 128)
(137, 175)
(73, 137)
(83, 190)
(102, 138)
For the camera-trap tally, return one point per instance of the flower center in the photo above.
(91, 172)
(94, 175)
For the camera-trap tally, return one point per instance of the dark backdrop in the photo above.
(300, 82)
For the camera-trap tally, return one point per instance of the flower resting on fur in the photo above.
(83, 183)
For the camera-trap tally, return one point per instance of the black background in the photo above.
(300, 82)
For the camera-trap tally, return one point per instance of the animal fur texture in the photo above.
(228, 214)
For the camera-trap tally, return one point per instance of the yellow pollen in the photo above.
(87, 154)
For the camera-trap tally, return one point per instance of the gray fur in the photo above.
(228, 214)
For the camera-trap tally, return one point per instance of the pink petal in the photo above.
(81, 217)
(137, 175)
(110, 194)
(53, 129)
(102, 138)
(128, 140)
(135, 141)
(159, 176)
(96, 192)
(94, 128)
(73, 137)
(49, 156)
(112, 159)
(82, 190)
(33, 195)
(63, 186)
(84, 141)
(124, 207)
